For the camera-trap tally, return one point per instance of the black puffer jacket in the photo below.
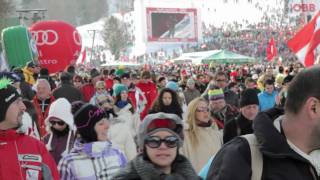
(280, 162)
(237, 127)
(140, 169)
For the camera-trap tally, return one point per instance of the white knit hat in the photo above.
(61, 109)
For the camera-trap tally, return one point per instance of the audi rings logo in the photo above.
(76, 38)
(45, 37)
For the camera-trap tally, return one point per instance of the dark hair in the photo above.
(161, 79)
(105, 72)
(118, 98)
(174, 107)
(77, 78)
(303, 86)
(44, 72)
(269, 82)
(145, 74)
(221, 73)
(71, 69)
(281, 69)
(76, 105)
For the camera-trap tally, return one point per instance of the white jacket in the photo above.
(126, 116)
(121, 138)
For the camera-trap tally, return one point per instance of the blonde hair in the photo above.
(100, 84)
(191, 120)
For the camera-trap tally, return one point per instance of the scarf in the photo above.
(204, 124)
(121, 104)
(139, 168)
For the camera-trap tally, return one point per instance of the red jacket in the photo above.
(42, 116)
(109, 84)
(149, 89)
(87, 91)
(24, 157)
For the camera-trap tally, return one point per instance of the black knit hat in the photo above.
(8, 94)
(94, 73)
(249, 97)
(85, 119)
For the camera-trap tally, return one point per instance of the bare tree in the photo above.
(116, 36)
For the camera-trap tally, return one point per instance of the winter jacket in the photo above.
(124, 115)
(137, 99)
(280, 161)
(140, 169)
(231, 97)
(28, 76)
(24, 157)
(209, 143)
(57, 145)
(42, 116)
(266, 100)
(69, 92)
(96, 160)
(94, 100)
(124, 141)
(190, 94)
(149, 90)
(225, 115)
(236, 127)
(87, 91)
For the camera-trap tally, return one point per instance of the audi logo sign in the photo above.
(58, 44)
(48, 37)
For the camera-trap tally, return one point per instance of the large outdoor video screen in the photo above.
(172, 25)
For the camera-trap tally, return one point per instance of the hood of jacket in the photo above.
(273, 143)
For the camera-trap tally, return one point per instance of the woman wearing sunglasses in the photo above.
(60, 126)
(159, 139)
(202, 137)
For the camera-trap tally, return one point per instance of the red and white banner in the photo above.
(271, 50)
(306, 41)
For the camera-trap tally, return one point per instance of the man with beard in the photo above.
(22, 156)
(288, 144)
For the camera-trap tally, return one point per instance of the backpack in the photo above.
(256, 156)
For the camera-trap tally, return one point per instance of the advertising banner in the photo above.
(172, 24)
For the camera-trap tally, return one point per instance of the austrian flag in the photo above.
(306, 41)
(271, 50)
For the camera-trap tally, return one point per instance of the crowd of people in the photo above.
(161, 122)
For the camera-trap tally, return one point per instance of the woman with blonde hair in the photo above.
(202, 137)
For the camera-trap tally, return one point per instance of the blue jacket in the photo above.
(266, 100)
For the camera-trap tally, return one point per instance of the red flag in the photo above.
(271, 50)
(306, 41)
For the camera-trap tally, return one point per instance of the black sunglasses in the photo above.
(155, 141)
(61, 123)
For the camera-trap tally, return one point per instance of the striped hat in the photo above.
(215, 94)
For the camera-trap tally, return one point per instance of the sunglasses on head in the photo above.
(61, 123)
(155, 141)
